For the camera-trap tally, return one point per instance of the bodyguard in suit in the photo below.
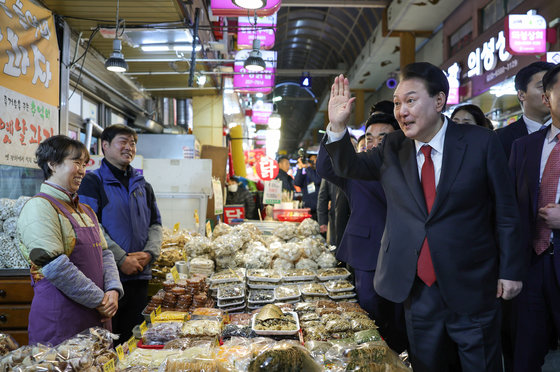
(535, 162)
(360, 243)
(528, 84)
(451, 245)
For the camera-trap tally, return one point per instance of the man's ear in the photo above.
(521, 96)
(441, 98)
(545, 100)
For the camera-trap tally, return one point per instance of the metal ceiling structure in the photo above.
(319, 37)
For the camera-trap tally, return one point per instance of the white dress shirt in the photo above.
(437, 148)
(549, 143)
(533, 126)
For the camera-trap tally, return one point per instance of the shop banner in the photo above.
(261, 112)
(267, 168)
(24, 123)
(233, 212)
(218, 196)
(29, 76)
(248, 31)
(525, 34)
(246, 82)
(226, 8)
(272, 192)
(29, 51)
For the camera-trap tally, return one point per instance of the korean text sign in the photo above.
(29, 72)
(526, 34)
(247, 82)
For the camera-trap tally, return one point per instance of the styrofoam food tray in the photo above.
(272, 332)
(344, 275)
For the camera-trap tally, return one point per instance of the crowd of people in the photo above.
(451, 229)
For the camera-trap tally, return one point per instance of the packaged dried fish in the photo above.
(266, 275)
(313, 289)
(260, 296)
(298, 274)
(333, 273)
(341, 285)
(286, 292)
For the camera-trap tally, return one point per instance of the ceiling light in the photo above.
(250, 4)
(274, 121)
(116, 62)
(186, 47)
(255, 63)
(155, 48)
(277, 99)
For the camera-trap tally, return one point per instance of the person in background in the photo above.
(528, 83)
(74, 277)
(326, 210)
(535, 163)
(309, 181)
(360, 244)
(471, 114)
(126, 207)
(238, 194)
(382, 107)
(361, 145)
(287, 180)
(452, 244)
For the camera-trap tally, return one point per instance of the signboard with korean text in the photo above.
(29, 75)
(453, 75)
(226, 8)
(261, 112)
(264, 30)
(233, 212)
(525, 34)
(272, 192)
(254, 82)
(267, 168)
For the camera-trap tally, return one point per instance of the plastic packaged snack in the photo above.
(284, 356)
(332, 273)
(231, 292)
(367, 335)
(291, 275)
(263, 275)
(342, 295)
(307, 263)
(287, 292)
(313, 289)
(228, 275)
(243, 319)
(260, 296)
(7, 343)
(159, 334)
(341, 285)
(202, 328)
(262, 285)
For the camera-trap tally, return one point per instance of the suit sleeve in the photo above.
(349, 164)
(323, 203)
(513, 262)
(325, 168)
(299, 179)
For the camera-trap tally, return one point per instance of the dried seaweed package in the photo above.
(284, 357)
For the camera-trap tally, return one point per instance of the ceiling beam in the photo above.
(280, 72)
(336, 3)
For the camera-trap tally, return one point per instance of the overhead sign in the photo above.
(226, 8)
(525, 33)
(246, 82)
(261, 112)
(267, 168)
(484, 59)
(264, 30)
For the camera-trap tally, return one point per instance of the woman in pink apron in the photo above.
(74, 276)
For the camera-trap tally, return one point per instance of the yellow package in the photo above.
(171, 316)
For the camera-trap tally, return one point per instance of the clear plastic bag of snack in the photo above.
(290, 252)
(340, 285)
(340, 325)
(305, 307)
(312, 248)
(261, 296)
(221, 229)
(308, 227)
(317, 332)
(360, 324)
(326, 259)
(196, 358)
(257, 256)
(286, 292)
(282, 264)
(161, 333)
(235, 354)
(195, 327)
(7, 343)
(284, 356)
(243, 319)
(232, 330)
(306, 263)
(375, 354)
(313, 289)
(286, 230)
(226, 245)
(199, 246)
(267, 275)
(367, 335)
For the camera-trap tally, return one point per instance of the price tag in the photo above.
(153, 316)
(158, 310)
(120, 352)
(196, 219)
(208, 229)
(143, 328)
(109, 366)
(131, 344)
(176, 227)
(175, 274)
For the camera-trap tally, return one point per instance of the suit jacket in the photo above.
(287, 180)
(342, 214)
(326, 216)
(510, 133)
(472, 229)
(360, 243)
(303, 180)
(525, 163)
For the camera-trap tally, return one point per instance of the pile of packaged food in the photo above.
(10, 255)
(183, 295)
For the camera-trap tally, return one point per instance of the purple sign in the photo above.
(264, 31)
(261, 112)
(226, 8)
(525, 34)
(254, 82)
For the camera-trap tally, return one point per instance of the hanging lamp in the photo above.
(116, 62)
(255, 62)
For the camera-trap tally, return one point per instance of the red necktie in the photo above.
(425, 266)
(547, 194)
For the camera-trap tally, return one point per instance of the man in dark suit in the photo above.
(283, 168)
(360, 243)
(535, 162)
(528, 84)
(451, 245)
(309, 181)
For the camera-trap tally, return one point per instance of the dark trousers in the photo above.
(509, 324)
(441, 339)
(388, 316)
(538, 314)
(130, 309)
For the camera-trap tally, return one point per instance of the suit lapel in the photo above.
(407, 158)
(453, 154)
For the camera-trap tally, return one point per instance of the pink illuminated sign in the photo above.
(265, 31)
(254, 82)
(261, 112)
(525, 34)
(226, 8)
(453, 74)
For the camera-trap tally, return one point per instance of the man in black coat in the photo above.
(451, 246)
(528, 83)
(287, 180)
